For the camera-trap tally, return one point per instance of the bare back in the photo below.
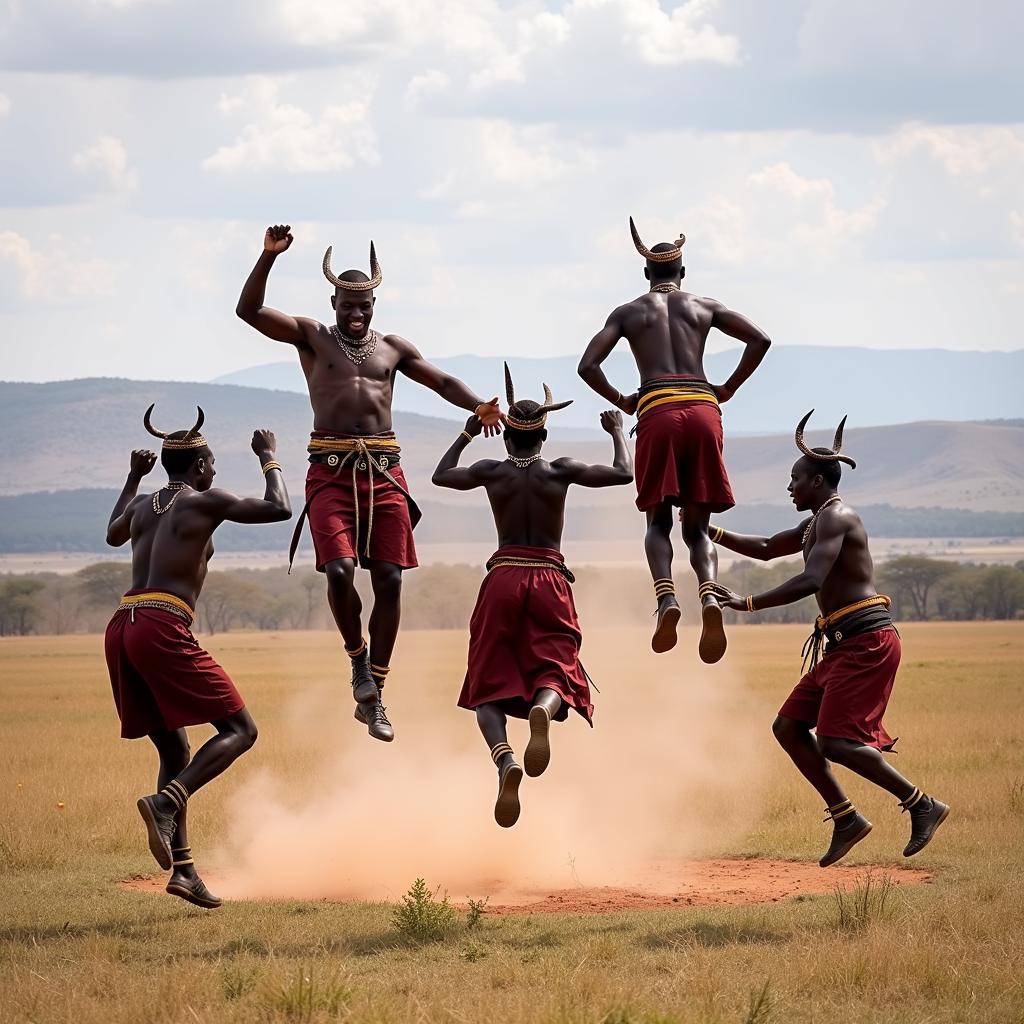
(667, 333)
(528, 504)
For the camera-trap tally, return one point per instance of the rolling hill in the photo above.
(77, 434)
(875, 386)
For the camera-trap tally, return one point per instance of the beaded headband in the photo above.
(675, 253)
(539, 417)
(829, 456)
(192, 438)
(355, 286)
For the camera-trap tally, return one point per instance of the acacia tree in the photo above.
(913, 576)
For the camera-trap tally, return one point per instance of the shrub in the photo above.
(422, 917)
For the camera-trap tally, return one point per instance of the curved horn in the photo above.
(510, 391)
(547, 395)
(680, 241)
(638, 242)
(327, 268)
(847, 460)
(376, 276)
(149, 426)
(200, 420)
(554, 407)
(799, 437)
(837, 444)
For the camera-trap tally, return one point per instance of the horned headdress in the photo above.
(192, 438)
(831, 455)
(675, 253)
(531, 416)
(355, 286)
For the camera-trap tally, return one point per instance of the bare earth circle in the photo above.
(667, 885)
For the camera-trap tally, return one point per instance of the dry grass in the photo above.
(75, 947)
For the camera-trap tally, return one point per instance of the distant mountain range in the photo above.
(77, 434)
(874, 386)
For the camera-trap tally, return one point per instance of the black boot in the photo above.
(364, 688)
(926, 815)
(849, 827)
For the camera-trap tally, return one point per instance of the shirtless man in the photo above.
(525, 636)
(162, 679)
(844, 695)
(359, 507)
(679, 430)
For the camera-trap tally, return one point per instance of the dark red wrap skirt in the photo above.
(525, 635)
(845, 695)
(160, 676)
(679, 457)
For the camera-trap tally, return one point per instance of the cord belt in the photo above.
(561, 568)
(860, 617)
(672, 391)
(160, 601)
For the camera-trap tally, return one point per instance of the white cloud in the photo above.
(426, 85)
(106, 158)
(55, 271)
(287, 137)
(5, 105)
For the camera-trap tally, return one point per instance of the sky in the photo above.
(845, 174)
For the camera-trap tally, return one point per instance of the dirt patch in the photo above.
(702, 883)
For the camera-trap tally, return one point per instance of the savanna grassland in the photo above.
(76, 946)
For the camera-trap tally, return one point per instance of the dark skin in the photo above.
(170, 552)
(838, 571)
(529, 510)
(353, 399)
(667, 334)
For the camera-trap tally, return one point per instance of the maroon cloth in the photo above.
(524, 635)
(332, 516)
(845, 695)
(679, 457)
(162, 679)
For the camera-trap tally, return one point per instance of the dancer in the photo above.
(524, 636)
(679, 430)
(359, 507)
(844, 695)
(161, 678)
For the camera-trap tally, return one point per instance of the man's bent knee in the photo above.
(387, 581)
(835, 749)
(340, 573)
(788, 730)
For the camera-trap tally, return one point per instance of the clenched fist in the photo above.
(264, 442)
(611, 421)
(142, 461)
(278, 238)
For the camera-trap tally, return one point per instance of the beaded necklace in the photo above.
(810, 525)
(174, 485)
(357, 349)
(522, 463)
(666, 287)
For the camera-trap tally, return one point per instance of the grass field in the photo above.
(681, 764)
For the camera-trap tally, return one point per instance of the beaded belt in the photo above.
(372, 453)
(160, 601)
(500, 561)
(860, 617)
(666, 391)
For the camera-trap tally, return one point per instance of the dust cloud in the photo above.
(670, 771)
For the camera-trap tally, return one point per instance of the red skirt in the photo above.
(161, 678)
(524, 635)
(679, 457)
(845, 695)
(332, 517)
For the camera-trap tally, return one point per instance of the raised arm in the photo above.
(789, 542)
(828, 542)
(619, 472)
(450, 474)
(450, 388)
(756, 344)
(597, 352)
(271, 322)
(273, 507)
(119, 526)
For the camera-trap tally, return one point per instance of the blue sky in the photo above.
(845, 173)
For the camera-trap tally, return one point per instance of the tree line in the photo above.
(442, 596)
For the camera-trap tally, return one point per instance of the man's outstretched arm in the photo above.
(120, 523)
(789, 542)
(450, 474)
(756, 344)
(597, 352)
(619, 472)
(271, 322)
(450, 388)
(828, 543)
(273, 507)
